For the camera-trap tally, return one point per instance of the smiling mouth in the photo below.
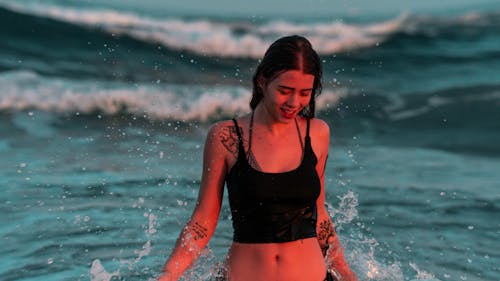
(288, 113)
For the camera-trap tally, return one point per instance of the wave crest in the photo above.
(28, 91)
(217, 38)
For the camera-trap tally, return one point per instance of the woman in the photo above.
(273, 161)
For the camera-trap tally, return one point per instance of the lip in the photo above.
(287, 113)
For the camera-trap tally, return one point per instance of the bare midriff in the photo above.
(299, 260)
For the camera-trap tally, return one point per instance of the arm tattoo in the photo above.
(199, 231)
(325, 231)
(229, 138)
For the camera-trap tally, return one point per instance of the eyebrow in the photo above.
(292, 88)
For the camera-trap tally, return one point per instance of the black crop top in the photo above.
(273, 207)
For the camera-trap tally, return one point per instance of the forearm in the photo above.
(192, 240)
(336, 259)
(333, 251)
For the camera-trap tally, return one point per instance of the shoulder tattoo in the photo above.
(229, 139)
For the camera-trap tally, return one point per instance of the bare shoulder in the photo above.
(223, 136)
(319, 127)
(320, 136)
(220, 127)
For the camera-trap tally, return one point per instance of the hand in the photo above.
(337, 263)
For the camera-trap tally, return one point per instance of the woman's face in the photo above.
(287, 94)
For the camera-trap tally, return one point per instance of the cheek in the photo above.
(276, 99)
(306, 100)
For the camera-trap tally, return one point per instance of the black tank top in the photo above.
(273, 207)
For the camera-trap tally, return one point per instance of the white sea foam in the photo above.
(23, 91)
(249, 39)
(98, 272)
(422, 275)
(219, 38)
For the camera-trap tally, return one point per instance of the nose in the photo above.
(293, 101)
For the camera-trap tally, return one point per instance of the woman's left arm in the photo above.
(327, 237)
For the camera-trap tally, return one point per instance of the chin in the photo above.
(284, 119)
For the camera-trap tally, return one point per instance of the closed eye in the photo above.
(285, 91)
(306, 92)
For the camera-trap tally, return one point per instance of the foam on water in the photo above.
(220, 38)
(98, 273)
(423, 275)
(250, 39)
(28, 91)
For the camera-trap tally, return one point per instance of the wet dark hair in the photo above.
(288, 53)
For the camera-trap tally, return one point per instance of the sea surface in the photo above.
(104, 107)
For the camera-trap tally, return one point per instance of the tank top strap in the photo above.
(309, 152)
(307, 128)
(241, 149)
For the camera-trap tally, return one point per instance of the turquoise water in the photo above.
(104, 108)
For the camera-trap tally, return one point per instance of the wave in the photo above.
(216, 38)
(27, 91)
(243, 38)
(474, 107)
(230, 39)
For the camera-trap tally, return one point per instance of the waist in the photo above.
(294, 259)
(266, 252)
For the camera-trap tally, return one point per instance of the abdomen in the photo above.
(299, 260)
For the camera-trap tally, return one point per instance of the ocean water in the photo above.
(104, 106)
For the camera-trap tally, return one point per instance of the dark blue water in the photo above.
(103, 114)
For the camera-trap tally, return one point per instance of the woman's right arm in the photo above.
(199, 229)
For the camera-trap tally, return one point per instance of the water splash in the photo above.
(346, 211)
(206, 268)
(422, 275)
(360, 249)
(98, 273)
(366, 265)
